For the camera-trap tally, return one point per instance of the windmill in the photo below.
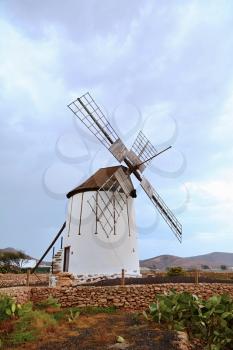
(100, 237)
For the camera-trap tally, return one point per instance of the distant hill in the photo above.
(12, 250)
(9, 249)
(213, 260)
(161, 262)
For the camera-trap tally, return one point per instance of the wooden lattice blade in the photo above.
(111, 199)
(163, 209)
(91, 115)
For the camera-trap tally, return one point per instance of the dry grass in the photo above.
(91, 331)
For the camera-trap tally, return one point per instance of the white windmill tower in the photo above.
(100, 230)
(100, 237)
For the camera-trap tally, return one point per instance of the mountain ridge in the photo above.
(212, 260)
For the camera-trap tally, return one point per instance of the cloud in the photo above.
(217, 190)
(223, 125)
(211, 209)
(149, 61)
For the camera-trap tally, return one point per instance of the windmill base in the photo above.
(68, 279)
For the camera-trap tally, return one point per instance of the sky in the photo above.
(159, 66)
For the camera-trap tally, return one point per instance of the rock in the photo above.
(183, 341)
(120, 339)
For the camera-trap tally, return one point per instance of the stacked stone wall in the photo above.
(13, 279)
(135, 297)
(21, 294)
(128, 297)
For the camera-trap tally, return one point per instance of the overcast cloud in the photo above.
(164, 67)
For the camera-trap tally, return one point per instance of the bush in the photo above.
(211, 320)
(25, 309)
(8, 307)
(19, 337)
(29, 325)
(50, 302)
(97, 310)
(9, 269)
(75, 311)
(205, 267)
(175, 271)
(11, 261)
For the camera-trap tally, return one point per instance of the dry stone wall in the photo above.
(13, 279)
(20, 294)
(135, 297)
(128, 297)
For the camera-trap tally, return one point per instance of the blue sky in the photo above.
(161, 66)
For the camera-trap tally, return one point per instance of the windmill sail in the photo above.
(166, 213)
(142, 151)
(91, 115)
(110, 200)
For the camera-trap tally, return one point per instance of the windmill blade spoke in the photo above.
(142, 151)
(166, 213)
(90, 114)
(124, 181)
(110, 200)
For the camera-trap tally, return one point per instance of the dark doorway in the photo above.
(66, 259)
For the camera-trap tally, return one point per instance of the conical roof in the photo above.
(96, 181)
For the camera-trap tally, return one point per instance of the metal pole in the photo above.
(156, 155)
(50, 246)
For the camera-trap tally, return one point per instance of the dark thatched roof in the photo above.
(96, 181)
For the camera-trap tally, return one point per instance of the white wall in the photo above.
(92, 253)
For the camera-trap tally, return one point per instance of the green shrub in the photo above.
(29, 325)
(25, 309)
(20, 337)
(60, 314)
(39, 319)
(9, 269)
(49, 302)
(73, 315)
(75, 311)
(211, 320)
(96, 310)
(8, 307)
(175, 271)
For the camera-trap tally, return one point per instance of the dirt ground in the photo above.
(100, 332)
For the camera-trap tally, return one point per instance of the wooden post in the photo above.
(197, 277)
(122, 277)
(28, 277)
